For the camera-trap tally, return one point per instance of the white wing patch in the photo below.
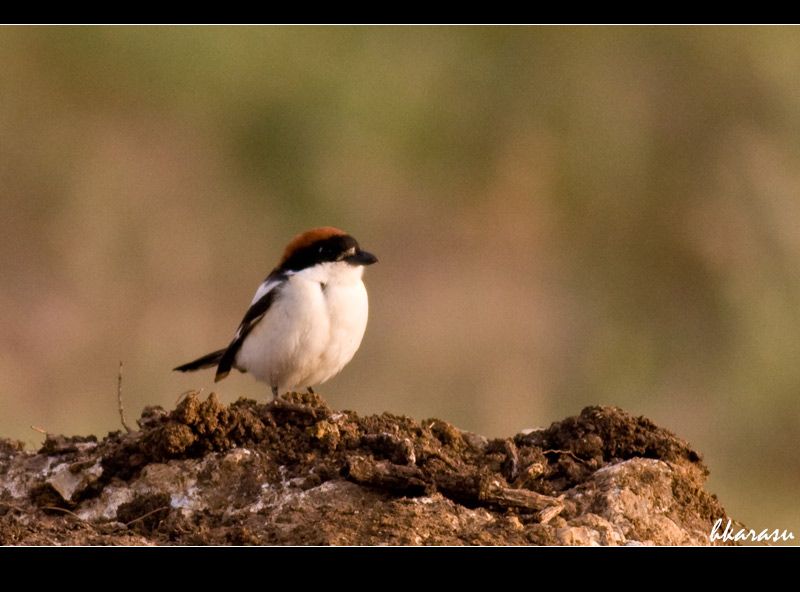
(267, 286)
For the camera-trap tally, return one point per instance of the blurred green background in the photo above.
(564, 217)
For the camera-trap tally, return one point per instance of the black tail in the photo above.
(207, 361)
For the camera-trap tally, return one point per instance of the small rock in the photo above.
(68, 482)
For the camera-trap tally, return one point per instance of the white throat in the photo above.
(338, 273)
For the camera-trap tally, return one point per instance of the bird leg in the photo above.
(280, 402)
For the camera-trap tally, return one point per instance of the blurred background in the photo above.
(564, 217)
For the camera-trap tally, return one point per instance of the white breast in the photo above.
(311, 331)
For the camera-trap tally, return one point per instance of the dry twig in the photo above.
(119, 400)
(147, 515)
(65, 511)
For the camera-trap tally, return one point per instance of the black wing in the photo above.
(251, 318)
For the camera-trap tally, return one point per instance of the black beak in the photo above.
(362, 258)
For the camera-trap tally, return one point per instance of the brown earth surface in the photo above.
(295, 472)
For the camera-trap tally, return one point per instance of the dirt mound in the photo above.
(295, 472)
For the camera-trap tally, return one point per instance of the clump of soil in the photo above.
(295, 472)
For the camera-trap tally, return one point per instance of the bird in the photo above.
(307, 318)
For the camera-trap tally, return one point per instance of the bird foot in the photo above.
(284, 404)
